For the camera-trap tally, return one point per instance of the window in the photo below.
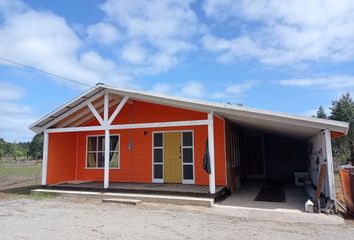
(95, 152)
(235, 153)
(187, 154)
(158, 156)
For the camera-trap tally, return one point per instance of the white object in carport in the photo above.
(309, 206)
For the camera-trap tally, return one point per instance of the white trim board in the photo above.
(130, 126)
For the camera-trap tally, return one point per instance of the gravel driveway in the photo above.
(77, 218)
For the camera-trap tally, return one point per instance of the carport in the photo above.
(274, 161)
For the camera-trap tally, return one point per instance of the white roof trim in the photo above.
(204, 106)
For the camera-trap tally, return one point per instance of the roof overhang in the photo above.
(281, 123)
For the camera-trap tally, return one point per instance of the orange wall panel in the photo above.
(136, 164)
(61, 157)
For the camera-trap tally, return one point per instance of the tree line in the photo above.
(22, 150)
(342, 110)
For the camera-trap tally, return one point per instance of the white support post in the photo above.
(94, 111)
(211, 152)
(118, 109)
(106, 108)
(106, 141)
(329, 156)
(45, 159)
(106, 159)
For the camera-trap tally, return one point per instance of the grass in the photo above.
(42, 195)
(19, 173)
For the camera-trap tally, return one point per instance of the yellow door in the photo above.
(172, 157)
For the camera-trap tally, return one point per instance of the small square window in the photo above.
(158, 171)
(91, 159)
(188, 172)
(95, 152)
(114, 143)
(187, 155)
(113, 160)
(101, 144)
(187, 139)
(100, 159)
(92, 143)
(157, 139)
(158, 155)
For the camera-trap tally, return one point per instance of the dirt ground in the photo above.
(38, 217)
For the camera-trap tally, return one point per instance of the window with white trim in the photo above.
(95, 151)
(187, 155)
(158, 156)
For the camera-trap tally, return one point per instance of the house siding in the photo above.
(136, 164)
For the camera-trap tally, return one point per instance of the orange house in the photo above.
(109, 135)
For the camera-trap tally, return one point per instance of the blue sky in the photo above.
(287, 56)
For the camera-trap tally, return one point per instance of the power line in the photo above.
(45, 72)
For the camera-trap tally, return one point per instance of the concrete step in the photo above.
(155, 198)
(121, 201)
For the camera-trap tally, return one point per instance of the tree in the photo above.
(321, 113)
(343, 110)
(36, 147)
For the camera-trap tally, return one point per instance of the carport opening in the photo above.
(269, 170)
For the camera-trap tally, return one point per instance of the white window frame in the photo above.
(188, 181)
(184, 181)
(97, 136)
(157, 180)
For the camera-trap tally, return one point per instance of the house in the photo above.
(110, 135)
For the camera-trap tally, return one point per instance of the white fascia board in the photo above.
(75, 129)
(160, 124)
(130, 126)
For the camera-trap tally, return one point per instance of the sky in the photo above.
(285, 56)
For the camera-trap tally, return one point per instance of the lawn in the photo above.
(19, 174)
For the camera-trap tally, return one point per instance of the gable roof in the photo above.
(248, 117)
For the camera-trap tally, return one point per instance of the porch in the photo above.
(144, 188)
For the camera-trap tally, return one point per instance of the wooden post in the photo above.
(211, 152)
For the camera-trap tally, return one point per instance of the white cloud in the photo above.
(332, 82)
(9, 91)
(134, 53)
(284, 32)
(44, 40)
(236, 90)
(104, 33)
(161, 88)
(164, 29)
(198, 90)
(14, 118)
(13, 108)
(193, 89)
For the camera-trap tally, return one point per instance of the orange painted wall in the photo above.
(136, 165)
(61, 157)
